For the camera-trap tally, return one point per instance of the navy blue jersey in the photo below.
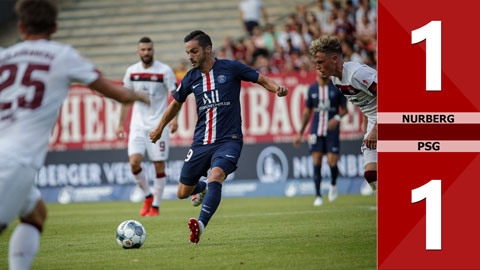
(325, 101)
(217, 94)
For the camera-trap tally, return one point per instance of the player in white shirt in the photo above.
(358, 82)
(35, 77)
(157, 80)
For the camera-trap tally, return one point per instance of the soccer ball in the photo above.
(131, 234)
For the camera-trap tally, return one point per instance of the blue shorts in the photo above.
(325, 144)
(201, 158)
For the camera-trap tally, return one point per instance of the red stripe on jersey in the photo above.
(209, 86)
(210, 126)
(210, 111)
(373, 88)
(347, 89)
(146, 75)
(5, 105)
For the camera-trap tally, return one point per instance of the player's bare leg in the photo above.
(25, 239)
(317, 176)
(158, 188)
(371, 174)
(332, 159)
(141, 180)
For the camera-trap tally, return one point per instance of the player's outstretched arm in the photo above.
(333, 123)
(118, 92)
(371, 139)
(120, 132)
(272, 86)
(174, 123)
(170, 113)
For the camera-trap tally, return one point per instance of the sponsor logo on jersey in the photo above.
(193, 87)
(221, 79)
(154, 78)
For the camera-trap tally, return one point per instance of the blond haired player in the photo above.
(157, 80)
(35, 77)
(358, 83)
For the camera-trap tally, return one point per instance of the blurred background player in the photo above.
(37, 73)
(358, 83)
(329, 105)
(218, 138)
(157, 80)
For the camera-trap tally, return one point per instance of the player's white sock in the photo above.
(142, 183)
(23, 247)
(158, 188)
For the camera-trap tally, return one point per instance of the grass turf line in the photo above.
(245, 233)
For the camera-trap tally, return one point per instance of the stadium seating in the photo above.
(107, 31)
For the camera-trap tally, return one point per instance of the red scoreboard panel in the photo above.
(429, 134)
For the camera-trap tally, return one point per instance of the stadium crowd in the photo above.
(283, 46)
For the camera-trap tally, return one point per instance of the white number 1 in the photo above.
(432, 32)
(432, 192)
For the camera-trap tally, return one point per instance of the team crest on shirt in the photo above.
(221, 79)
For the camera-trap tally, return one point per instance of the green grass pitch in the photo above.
(245, 233)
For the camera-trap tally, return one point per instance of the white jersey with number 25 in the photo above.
(35, 77)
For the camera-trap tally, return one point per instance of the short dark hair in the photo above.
(145, 40)
(38, 16)
(203, 39)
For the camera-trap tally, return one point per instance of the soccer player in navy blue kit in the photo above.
(329, 106)
(217, 142)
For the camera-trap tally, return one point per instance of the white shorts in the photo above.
(18, 194)
(139, 141)
(369, 155)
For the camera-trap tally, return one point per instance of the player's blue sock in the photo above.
(201, 185)
(317, 178)
(334, 170)
(210, 202)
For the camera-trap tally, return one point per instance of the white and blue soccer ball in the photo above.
(131, 234)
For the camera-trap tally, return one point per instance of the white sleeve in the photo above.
(170, 81)
(77, 68)
(364, 77)
(126, 79)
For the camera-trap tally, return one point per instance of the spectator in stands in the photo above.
(229, 48)
(250, 13)
(181, 69)
(270, 37)
(364, 8)
(320, 12)
(262, 64)
(239, 50)
(258, 38)
(285, 49)
(366, 31)
(330, 26)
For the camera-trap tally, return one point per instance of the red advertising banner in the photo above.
(89, 121)
(429, 139)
